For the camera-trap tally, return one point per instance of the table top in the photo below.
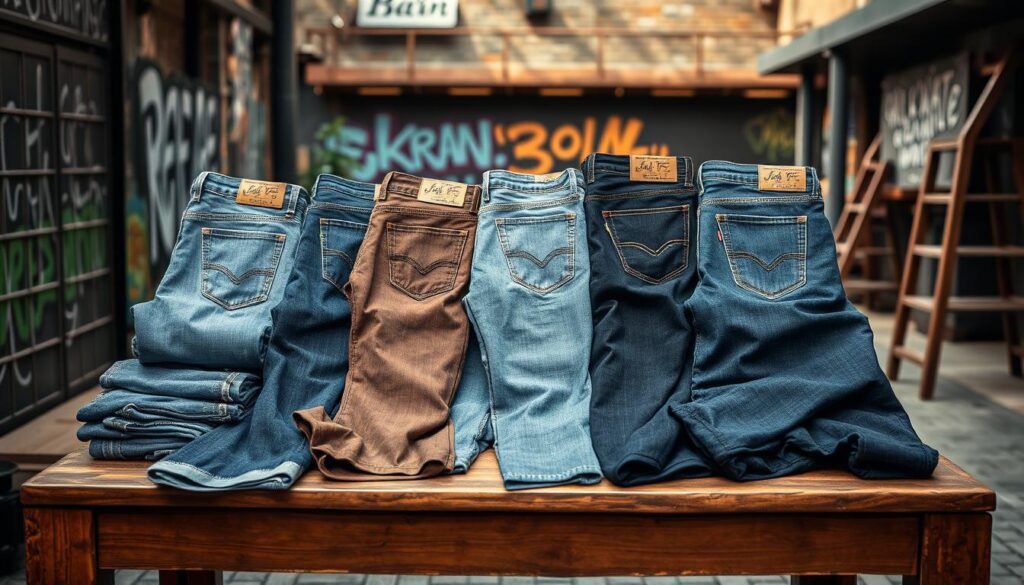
(79, 480)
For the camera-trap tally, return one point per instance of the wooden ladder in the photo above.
(855, 238)
(963, 148)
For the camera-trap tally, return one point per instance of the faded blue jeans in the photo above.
(306, 362)
(227, 271)
(530, 307)
(785, 376)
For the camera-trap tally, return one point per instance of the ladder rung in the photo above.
(947, 198)
(905, 353)
(946, 144)
(997, 304)
(873, 251)
(854, 207)
(934, 251)
(861, 285)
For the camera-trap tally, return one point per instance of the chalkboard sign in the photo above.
(56, 327)
(83, 18)
(918, 104)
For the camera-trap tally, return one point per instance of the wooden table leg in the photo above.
(60, 547)
(823, 580)
(191, 578)
(955, 548)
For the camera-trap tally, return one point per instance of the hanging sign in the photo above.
(918, 104)
(408, 13)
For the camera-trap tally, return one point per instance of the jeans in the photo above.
(408, 340)
(150, 449)
(642, 270)
(185, 382)
(530, 307)
(151, 408)
(212, 307)
(306, 361)
(118, 428)
(785, 377)
(471, 410)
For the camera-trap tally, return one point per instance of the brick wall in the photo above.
(537, 51)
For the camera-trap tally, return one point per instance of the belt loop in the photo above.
(382, 193)
(588, 166)
(574, 181)
(485, 188)
(293, 198)
(316, 187)
(197, 185)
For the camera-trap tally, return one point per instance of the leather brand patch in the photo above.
(771, 178)
(652, 169)
(442, 192)
(261, 193)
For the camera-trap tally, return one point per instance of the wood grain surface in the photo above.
(78, 480)
(506, 543)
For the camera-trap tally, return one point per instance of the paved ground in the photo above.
(982, 436)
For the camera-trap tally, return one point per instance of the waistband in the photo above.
(401, 188)
(508, 188)
(599, 163)
(210, 184)
(333, 189)
(746, 178)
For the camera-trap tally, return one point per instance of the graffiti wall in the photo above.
(176, 134)
(459, 138)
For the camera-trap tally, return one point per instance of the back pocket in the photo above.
(339, 243)
(767, 255)
(539, 251)
(653, 244)
(424, 261)
(238, 267)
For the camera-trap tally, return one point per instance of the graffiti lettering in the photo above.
(177, 139)
(88, 17)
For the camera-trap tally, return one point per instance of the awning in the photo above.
(888, 34)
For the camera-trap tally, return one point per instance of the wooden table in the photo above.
(84, 518)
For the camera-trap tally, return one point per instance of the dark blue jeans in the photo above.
(642, 270)
(785, 377)
(306, 360)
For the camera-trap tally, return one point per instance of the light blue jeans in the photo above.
(152, 408)
(227, 271)
(187, 382)
(530, 306)
(306, 361)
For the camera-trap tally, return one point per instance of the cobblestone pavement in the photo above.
(978, 434)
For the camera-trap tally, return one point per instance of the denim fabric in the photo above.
(149, 408)
(785, 377)
(529, 304)
(114, 428)
(471, 410)
(227, 271)
(186, 382)
(642, 269)
(306, 362)
(151, 449)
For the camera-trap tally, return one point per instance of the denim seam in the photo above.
(531, 205)
(392, 238)
(641, 194)
(214, 476)
(760, 200)
(243, 217)
(269, 274)
(617, 243)
(566, 474)
(341, 206)
(326, 251)
(570, 224)
(225, 388)
(801, 255)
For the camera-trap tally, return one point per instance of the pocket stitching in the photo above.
(270, 274)
(617, 243)
(799, 220)
(570, 224)
(460, 235)
(326, 250)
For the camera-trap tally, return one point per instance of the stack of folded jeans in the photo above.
(201, 341)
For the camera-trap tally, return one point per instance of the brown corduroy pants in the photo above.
(409, 335)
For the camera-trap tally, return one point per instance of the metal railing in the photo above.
(333, 41)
